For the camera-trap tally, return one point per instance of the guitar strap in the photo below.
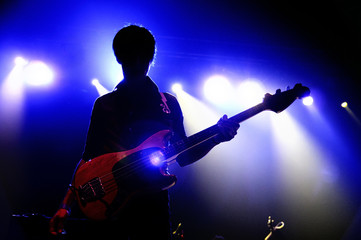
(164, 105)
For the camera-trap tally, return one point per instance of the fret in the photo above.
(240, 117)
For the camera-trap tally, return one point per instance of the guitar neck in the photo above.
(183, 145)
(240, 117)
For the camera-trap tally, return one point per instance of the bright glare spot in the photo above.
(156, 158)
(19, 61)
(95, 82)
(38, 74)
(11, 102)
(250, 93)
(307, 101)
(344, 105)
(100, 88)
(177, 87)
(13, 86)
(217, 89)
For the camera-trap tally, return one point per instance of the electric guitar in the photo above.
(105, 184)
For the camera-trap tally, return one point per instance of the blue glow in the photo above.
(218, 90)
(37, 73)
(250, 92)
(242, 180)
(20, 61)
(177, 87)
(157, 158)
(307, 101)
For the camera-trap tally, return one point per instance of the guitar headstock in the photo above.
(281, 100)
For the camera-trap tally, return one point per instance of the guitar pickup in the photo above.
(91, 191)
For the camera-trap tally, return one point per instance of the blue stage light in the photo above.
(37, 73)
(307, 101)
(177, 87)
(100, 88)
(217, 89)
(250, 93)
(20, 61)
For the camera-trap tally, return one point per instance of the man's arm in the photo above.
(56, 224)
(228, 129)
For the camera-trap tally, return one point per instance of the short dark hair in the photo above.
(134, 41)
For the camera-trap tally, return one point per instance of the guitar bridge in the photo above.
(91, 191)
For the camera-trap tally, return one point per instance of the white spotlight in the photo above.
(177, 87)
(95, 81)
(38, 74)
(100, 88)
(250, 93)
(19, 61)
(307, 101)
(218, 89)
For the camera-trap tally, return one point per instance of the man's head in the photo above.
(133, 44)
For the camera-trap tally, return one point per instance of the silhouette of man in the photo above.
(123, 119)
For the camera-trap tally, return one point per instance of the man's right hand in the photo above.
(56, 224)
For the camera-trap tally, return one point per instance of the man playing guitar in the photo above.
(112, 182)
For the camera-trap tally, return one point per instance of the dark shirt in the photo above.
(123, 119)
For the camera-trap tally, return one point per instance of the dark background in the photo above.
(316, 43)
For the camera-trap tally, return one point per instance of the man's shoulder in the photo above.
(107, 96)
(173, 104)
(106, 99)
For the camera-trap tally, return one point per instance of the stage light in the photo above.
(250, 93)
(217, 89)
(177, 87)
(37, 73)
(352, 114)
(100, 88)
(307, 101)
(12, 100)
(20, 61)
(95, 82)
(13, 85)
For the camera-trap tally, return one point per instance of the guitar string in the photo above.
(195, 138)
(237, 117)
(139, 162)
(144, 164)
(110, 186)
(112, 183)
(166, 152)
(117, 172)
(114, 174)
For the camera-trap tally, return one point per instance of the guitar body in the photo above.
(105, 184)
